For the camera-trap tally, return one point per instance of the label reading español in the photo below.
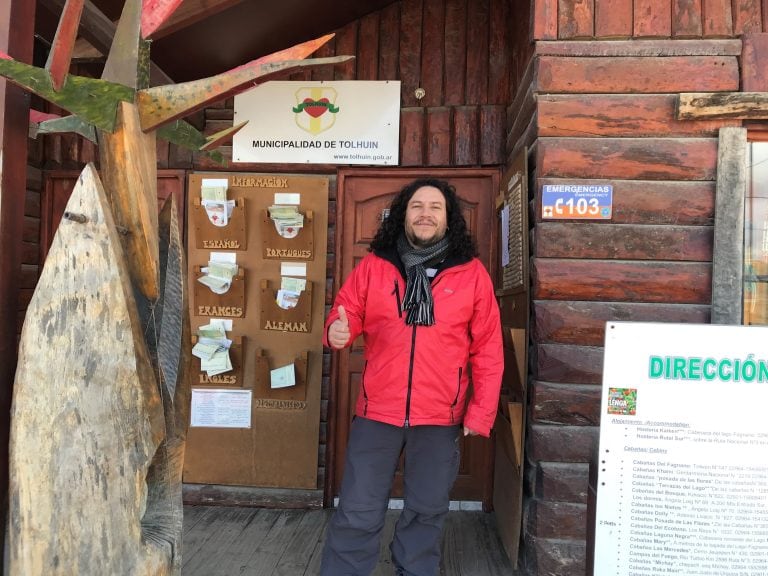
(225, 244)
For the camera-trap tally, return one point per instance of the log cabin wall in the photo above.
(599, 107)
(590, 88)
(467, 55)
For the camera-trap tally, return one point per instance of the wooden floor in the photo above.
(227, 541)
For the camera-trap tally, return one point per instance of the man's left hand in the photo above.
(469, 432)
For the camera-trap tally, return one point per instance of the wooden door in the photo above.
(60, 183)
(363, 195)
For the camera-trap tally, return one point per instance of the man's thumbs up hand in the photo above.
(338, 331)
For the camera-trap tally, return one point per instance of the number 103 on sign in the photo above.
(584, 201)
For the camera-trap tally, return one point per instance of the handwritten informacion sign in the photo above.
(682, 484)
(585, 201)
(343, 122)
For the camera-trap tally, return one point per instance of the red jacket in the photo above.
(417, 375)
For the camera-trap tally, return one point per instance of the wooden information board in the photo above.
(280, 447)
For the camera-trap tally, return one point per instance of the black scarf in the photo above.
(418, 291)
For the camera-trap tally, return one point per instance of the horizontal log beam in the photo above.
(623, 241)
(621, 281)
(583, 323)
(658, 47)
(733, 105)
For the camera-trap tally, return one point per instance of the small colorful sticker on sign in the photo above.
(585, 201)
(622, 401)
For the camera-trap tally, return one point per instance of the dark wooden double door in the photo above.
(363, 197)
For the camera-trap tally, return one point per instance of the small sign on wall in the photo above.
(582, 201)
(346, 122)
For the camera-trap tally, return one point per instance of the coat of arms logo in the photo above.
(315, 109)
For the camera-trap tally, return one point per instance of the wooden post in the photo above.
(15, 40)
(728, 254)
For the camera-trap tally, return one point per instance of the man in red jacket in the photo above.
(426, 308)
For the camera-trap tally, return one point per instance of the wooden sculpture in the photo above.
(100, 402)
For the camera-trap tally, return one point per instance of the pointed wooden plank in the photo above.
(184, 134)
(67, 124)
(154, 13)
(61, 50)
(124, 55)
(215, 140)
(167, 103)
(86, 417)
(164, 104)
(98, 31)
(168, 329)
(129, 168)
(95, 101)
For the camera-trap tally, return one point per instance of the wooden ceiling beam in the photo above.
(99, 31)
(192, 11)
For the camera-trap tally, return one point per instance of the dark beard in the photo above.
(419, 243)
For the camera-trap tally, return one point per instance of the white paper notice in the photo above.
(505, 235)
(283, 377)
(214, 183)
(225, 323)
(682, 479)
(293, 269)
(290, 198)
(228, 257)
(220, 408)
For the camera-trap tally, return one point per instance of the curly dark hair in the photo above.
(462, 244)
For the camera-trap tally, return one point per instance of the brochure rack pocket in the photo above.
(277, 247)
(232, 236)
(231, 304)
(296, 319)
(263, 384)
(231, 378)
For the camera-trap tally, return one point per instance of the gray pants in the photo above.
(431, 465)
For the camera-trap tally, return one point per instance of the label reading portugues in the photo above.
(288, 253)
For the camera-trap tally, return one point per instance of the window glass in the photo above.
(756, 236)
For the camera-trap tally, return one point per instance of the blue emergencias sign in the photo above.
(585, 201)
